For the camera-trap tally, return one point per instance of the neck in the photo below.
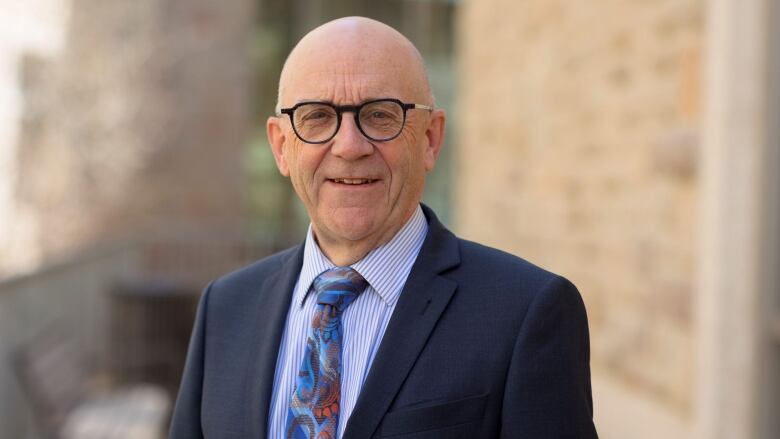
(344, 252)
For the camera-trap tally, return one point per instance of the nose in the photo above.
(349, 143)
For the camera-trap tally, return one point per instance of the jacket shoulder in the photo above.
(497, 266)
(256, 272)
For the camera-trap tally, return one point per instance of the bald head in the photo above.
(335, 60)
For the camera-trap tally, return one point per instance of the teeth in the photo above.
(352, 180)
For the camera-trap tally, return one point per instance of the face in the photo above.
(356, 191)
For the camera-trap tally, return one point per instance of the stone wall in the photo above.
(577, 150)
(136, 123)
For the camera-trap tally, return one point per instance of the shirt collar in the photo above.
(387, 281)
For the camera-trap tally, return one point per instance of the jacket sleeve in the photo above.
(186, 421)
(548, 390)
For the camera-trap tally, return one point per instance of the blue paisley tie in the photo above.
(315, 404)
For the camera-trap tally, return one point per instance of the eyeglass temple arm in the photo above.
(418, 106)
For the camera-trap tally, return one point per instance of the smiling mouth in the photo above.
(353, 181)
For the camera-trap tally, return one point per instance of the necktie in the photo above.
(314, 407)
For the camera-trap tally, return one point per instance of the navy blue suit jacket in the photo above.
(482, 344)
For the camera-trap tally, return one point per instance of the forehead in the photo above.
(347, 71)
(344, 87)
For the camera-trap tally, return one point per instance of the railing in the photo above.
(75, 294)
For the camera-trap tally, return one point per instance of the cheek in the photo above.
(297, 159)
(406, 162)
(305, 169)
(414, 153)
(409, 136)
(297, 162)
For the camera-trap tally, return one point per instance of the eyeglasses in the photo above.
(379, 120)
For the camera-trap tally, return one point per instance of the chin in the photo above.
(354, 229)
(353, 224)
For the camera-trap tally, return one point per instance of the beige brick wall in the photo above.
(577, 145)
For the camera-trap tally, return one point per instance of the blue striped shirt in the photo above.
(364, 321)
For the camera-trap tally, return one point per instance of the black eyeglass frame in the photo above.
(353, 109)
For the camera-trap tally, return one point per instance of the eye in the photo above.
(379, 114)
(317, 114)
(314, 113)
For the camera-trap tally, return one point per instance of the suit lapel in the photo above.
(273, 305)
(423, 300)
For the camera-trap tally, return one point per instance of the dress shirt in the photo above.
(386, 269)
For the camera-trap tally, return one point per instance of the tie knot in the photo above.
(338, 287)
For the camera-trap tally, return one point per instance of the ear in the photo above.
(276, 138)
(434, 135)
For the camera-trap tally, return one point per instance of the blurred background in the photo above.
(632, 146)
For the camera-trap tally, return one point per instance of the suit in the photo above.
(481, 344)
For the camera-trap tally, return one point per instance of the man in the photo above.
(383, 323)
